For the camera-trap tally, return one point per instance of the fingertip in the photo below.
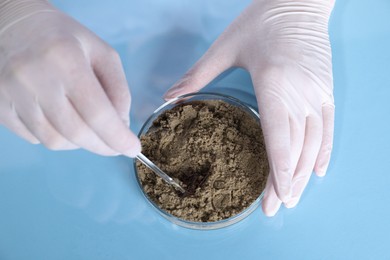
(284, 197)
(208, 67)
(167, 97)
(321, 167)
(270, 209)
(267, 212)
(282, 182)
(323, 158)
(34, 141)
(174, 92)
(270, 203)
(134, 149)
(283, 192)
(29, 137)
(292, 203)
(320, 172)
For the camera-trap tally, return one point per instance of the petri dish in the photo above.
(200, 96)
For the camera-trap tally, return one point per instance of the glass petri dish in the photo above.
(200, 96)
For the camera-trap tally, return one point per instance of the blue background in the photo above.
(77, 205)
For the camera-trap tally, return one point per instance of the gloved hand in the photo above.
(285, 47)
(60, 84)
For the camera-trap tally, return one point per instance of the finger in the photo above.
(271, 203)
(109, 71)
(95, 108)
(215, 61)
(323, 158)
(13, 123)
(297, 134)
(311, 147)
(72, 127)
(37, 123)
(275, 123)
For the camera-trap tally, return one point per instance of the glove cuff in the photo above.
(13, 11)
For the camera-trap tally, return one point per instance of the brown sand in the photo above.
(216, 150)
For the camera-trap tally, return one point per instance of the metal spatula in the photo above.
(148, 163)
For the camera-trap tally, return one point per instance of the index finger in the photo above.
(276, 130)
(95, 108)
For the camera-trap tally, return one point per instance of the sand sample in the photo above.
(216, 150)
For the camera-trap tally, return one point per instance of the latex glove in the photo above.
(285, 47)
(60, 84)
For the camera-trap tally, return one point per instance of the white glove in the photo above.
(285, 47)
(60, 85)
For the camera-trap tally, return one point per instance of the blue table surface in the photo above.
(77, 205)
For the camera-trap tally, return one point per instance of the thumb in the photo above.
(215, 61)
